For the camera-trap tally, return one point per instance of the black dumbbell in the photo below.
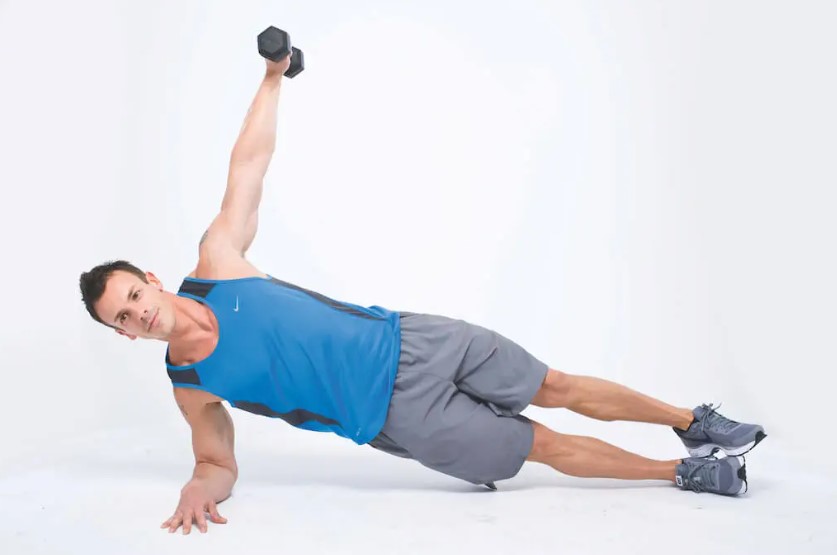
(275, 44)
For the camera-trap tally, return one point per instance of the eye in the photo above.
(122, 317)
(135, 296)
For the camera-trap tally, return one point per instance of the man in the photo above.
(442, 391)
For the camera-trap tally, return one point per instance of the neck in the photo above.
(195, 324)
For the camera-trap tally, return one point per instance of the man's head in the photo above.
(123, 297)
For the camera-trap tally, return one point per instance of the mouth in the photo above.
(153, 321)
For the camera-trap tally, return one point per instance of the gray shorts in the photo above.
(458, 393)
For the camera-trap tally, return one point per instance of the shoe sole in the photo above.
(709, 448)
(742, 475)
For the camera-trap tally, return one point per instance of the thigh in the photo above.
(480, 361)
(432, 421)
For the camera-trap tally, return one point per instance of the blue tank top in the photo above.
(290, 353)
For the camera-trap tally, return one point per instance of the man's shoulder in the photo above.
(219, 263)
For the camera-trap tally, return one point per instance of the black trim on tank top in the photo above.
(196, 288)
(294, 418)
(189, 376)
(322, 298)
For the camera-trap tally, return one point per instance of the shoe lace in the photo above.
(703, 480)
(713, 419)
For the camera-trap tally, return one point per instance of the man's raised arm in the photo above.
(237, 222)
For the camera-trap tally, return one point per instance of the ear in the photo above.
(128, 335)
(154, 280)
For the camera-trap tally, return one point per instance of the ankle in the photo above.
(686, 419)
(672, 469)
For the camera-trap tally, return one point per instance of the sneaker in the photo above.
(726, 476)
(711, 432)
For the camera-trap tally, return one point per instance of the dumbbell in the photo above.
(275, 44)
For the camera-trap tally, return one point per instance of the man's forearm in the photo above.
(218, 480)
(257, 138)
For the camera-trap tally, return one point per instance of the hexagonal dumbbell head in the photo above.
(297, 63)
(274, 44)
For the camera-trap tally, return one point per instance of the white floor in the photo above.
(110, 493)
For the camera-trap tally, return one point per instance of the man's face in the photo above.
(136, 308)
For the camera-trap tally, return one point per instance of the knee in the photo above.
(547, 444)
(555, 390)
(540, 442)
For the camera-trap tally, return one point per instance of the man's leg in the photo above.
(589, 457)
(606, 400)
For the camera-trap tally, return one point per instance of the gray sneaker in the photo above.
(726, 476)
(712, 431)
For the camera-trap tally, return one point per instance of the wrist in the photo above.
(272, 78)
(192, 484)
(197, 482)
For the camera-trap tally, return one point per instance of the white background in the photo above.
(639, 191)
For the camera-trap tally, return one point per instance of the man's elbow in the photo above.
(233, 468)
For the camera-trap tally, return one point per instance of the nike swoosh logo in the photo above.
(236, 304)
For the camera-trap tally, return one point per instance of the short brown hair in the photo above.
(93, 283)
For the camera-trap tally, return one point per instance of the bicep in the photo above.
(236, 223)
(230, 231)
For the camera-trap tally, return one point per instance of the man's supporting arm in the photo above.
(215, 468)
(213, 443)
